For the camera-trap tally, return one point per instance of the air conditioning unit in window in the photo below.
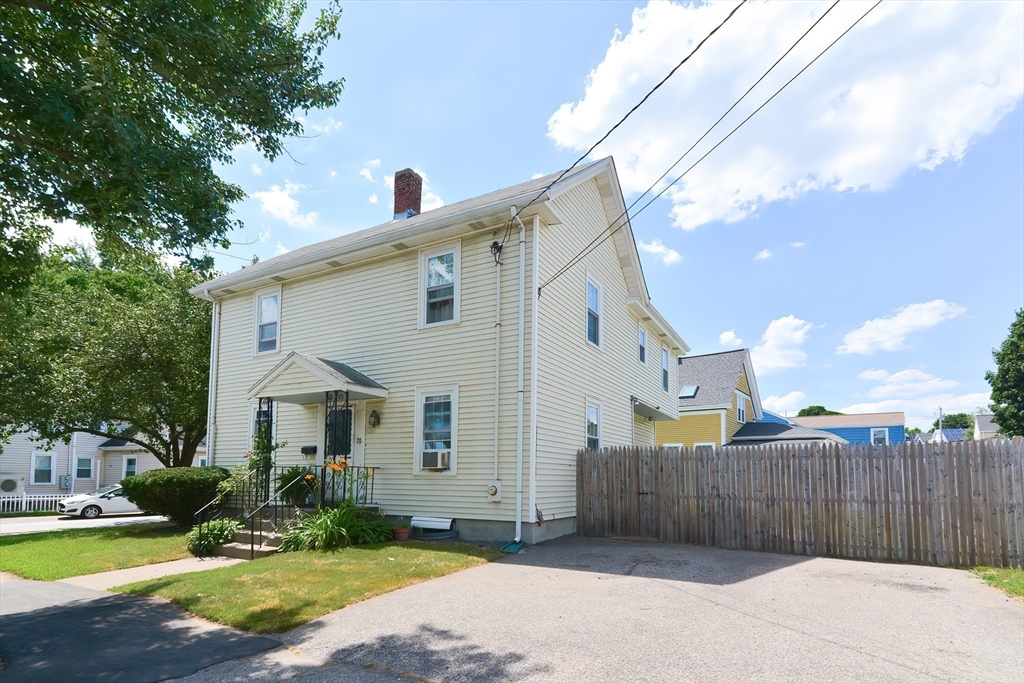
(435, 460)
(11, 485)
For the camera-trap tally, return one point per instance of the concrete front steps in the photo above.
(246, 545)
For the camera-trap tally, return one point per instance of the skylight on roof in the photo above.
(688, 391)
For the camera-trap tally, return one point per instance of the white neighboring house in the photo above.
(468, 389)
(83, 464)
(985, 427)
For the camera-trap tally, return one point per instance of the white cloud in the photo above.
(389, 181)
(536, 175)
(281, 249)
(916, 393)
(366, 174)
(431, 201)
(373, 162)
(373, 198)
(890, 334)
(327, 126)
(279, 203)
(912, 86)
(780, 345)
(729, 338)
(69, 233)
(905, 383)
(783, 405)
(256, 169)
(334, 173)
(798, 245)
(666, 255)
(762, 255)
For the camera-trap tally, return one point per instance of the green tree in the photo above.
(955, 421)
(120, 351)
(812, 411)
(912, 431)
(1008, 381)
(114, 114)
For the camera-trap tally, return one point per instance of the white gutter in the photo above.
(519, 381)
(534, 303)
(211, 399)
(497, 355)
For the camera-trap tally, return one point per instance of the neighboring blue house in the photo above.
(874, 428)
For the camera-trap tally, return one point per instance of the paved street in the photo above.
(599, 610)
(34, 525)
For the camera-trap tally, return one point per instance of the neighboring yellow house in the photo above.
(717, 396)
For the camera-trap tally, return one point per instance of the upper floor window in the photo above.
(593, 426)
(439, 285)
(268, 315)
(593, 313)
(664, 369)
(741, 408)
(643, 345)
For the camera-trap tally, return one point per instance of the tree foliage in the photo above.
(113, 114)
(1008, 381)
(812, 411)
(118, 352)
(955, 421)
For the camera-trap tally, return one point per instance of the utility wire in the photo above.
(604, 237)
(604, 137)
(701, 138)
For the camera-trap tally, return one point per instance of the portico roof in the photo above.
(304, 379)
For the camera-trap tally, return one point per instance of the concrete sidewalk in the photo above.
(106, 580)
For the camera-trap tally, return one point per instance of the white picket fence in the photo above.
(31, 503)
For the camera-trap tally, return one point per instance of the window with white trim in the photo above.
(879, 436)
(42, 468)
(83, 468)
(664, 368)
(593, 313)
(203, 461)
(131, 466)
(593, 425)
(439, 285)
(643, 344)
(741, 408)
(437, 420)
(268, 319)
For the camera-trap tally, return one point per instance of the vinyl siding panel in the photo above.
(863, 434)
(112, 465)
(643, 431)
(366, 315)
(690, 429)
(570, 369)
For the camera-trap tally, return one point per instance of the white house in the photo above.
(470, 354)
(83, 464)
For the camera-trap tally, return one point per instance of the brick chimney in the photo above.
(408, 193)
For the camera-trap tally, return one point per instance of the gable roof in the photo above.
(985, 422)
(324, 375)
(716, 376)
(767, 432)
(858, 420)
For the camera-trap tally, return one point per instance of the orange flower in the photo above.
(308, 477)
(369, 473)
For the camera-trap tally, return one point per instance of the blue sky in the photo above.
(882, 191)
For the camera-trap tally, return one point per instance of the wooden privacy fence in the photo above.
(954, 504)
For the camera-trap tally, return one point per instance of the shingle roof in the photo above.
(349, 373)
(859, 420)
(986, 423)
(113, 443)
(766, 432)
(715, 375)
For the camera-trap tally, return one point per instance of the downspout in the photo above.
(497, 354)
(211, 401)
(534, 313)
(519, 387)
(73, 460)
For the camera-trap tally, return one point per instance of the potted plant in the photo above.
(402, 531)
(299, 492)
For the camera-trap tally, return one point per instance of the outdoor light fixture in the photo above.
(374, 418)
(496, 251)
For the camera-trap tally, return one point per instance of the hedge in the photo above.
(176, 492)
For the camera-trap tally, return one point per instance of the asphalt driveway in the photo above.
(585, 610)
(44, 523)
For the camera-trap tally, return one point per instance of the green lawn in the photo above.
(6, 515)
(1010, 581)
(60, 554)
(283, 591)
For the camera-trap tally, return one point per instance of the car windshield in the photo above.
(105, 489)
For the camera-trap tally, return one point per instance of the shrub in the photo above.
(176, 492)
(371, 531)
(325, 529)
(298, 492)
(201, 539)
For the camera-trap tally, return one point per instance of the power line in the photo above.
(706, 133)
(622, 120)
(600, 240)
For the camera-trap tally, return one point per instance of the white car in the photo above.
(104, 501)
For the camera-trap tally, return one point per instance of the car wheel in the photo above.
(91, 512)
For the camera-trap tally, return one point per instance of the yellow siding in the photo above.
(732, 422)
(570, 369)
(690, 429)
(742, 384)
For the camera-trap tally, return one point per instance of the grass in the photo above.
(283, 591)
(60, 554)
(1010, 581)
